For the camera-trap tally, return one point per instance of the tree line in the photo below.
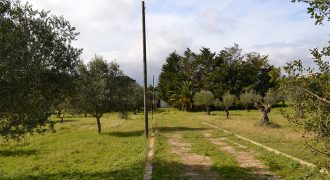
(215, 79)
(41, 74)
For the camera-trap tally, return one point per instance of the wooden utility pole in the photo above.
(153, 97)
(145, 72)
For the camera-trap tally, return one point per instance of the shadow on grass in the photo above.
(140, 132)
(271, 125)
(174, 170)
(7, 153)
(134, 171)
(125, 133)
(172, 129)
(223, 114)
(57, 121)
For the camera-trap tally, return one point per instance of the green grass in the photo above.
(165, 165)
(77, 151)
(168, 165)
(284, 138)
(223, 163)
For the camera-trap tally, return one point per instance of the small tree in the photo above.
(264, 105)
(227, 101)
(185, 98)
(103, 87)
(138, 98)
(95, 89)
(204, 98)
(62, 108)
(246, 99)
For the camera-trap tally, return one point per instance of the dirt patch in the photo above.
(198, 166)
(245, 159)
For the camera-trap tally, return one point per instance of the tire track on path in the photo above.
(244, 158)
(197, 166)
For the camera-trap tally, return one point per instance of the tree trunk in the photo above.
(301, 113)
(227, 112)
(134, 111)
(98, 124)
(208, 110)
(59, 112)
(264, 118)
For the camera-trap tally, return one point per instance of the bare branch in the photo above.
(315, 149)
(315, 95)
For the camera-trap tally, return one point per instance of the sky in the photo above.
(112, 28)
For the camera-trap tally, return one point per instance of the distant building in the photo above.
(310, 74)
(163, 104)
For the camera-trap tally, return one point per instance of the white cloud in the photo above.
(112, 28)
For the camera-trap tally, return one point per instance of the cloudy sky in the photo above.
(112, 28)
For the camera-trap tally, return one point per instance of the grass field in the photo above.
(283, 138)
(184, 148)
(286, 138)
(77, 151)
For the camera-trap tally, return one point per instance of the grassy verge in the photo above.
(77, 151)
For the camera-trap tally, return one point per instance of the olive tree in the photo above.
(62, 109)
(204, 98)
(94, 88)
(246, 99)
(137, 98)
(37, 66)
(103, 87)
(264, 105)
(314, 86)
(311, 96)
(227, 101)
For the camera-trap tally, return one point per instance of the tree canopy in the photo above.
(310, 90)
(229, 70)
(37, 66)
(318, 9)
(103, 87)
(204, 98)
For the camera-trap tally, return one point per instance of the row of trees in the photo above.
(263, 103)
(209, 79)
(41, 74)
(228, 71)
